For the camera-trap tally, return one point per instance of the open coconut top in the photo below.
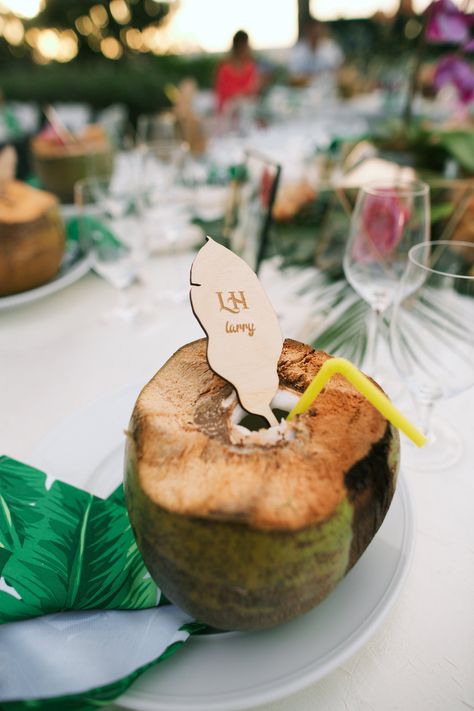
(193, 460)
(92, 138)
(20, 202)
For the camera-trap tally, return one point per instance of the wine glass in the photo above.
(110, 228)
(388, 219)
(162, 162)
(432, 339)
(155, 127)
(167, 205)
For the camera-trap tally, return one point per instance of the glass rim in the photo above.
(435, 243)
(93, 179)
(82, 190)
(85, 188)
(404, 188)
(171, 141)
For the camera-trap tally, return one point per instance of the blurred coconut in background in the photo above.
(60, 163)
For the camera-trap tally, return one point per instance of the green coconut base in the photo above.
(59, 174)
(234, 577)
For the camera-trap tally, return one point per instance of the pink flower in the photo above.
(447, 23)
(383, 221)
(48, 133)
(456, 71)
(469, 47)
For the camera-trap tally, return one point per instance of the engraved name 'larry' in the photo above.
(240, 328)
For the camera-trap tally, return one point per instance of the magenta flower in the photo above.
(458, 72)
(469, 47)
(50, 134)
(383, 221)
(447, 23)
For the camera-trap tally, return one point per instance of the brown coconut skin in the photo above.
(59, 166)
(60, 173)
(252, 566)
(31, 247)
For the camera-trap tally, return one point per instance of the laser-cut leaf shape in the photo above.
(244, 337)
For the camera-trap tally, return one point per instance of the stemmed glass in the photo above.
(388, 219)
(161, 163)
(151, 128)
(166, 204)
(432, 339)
(162, 152)
(111, 230)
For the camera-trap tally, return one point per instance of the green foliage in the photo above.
(424, 146)
(63, 15)
(62, 548)
(65, 549)
(441, 212)
(57, 13)
(459, 144)
(138, 82)
(342, 328)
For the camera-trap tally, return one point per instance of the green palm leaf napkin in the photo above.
(94, 228)
(80, 617)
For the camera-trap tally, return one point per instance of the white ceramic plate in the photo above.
(239, 670)
(66, 276)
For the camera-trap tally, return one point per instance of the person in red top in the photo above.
(238, 75)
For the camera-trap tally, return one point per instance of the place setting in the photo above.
(214, 270)
(237, 340)
(231, 306)
(219, 414)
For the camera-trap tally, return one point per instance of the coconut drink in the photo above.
(32, 233)
(244, 525)
(60, 164)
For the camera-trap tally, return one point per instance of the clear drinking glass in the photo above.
(167, 205)
(388, 219)
(111, 229)
(161, 163)
(156, 127)
(432, 339)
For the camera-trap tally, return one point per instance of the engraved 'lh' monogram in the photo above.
(236, 304)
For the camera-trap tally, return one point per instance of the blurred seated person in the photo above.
(316, 54)
(238, 75)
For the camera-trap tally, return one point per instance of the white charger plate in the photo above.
(71, 270)
(239, 670)
(66, 276)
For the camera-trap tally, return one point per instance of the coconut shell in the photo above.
(32, 237)
(247, 531)
(59, 166)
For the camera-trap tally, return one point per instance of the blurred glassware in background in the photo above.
(388, 219)
(111, 230)
(127, 172)
(61, 157)
(156, 127)
(432, 340)
(162, 162)
(166, 203)
(240, 115)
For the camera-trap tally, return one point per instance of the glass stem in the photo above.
(425, 408)
(372, 340)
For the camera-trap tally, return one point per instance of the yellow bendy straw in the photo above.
(364, 386)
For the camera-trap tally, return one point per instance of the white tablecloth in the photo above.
(56, 355)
